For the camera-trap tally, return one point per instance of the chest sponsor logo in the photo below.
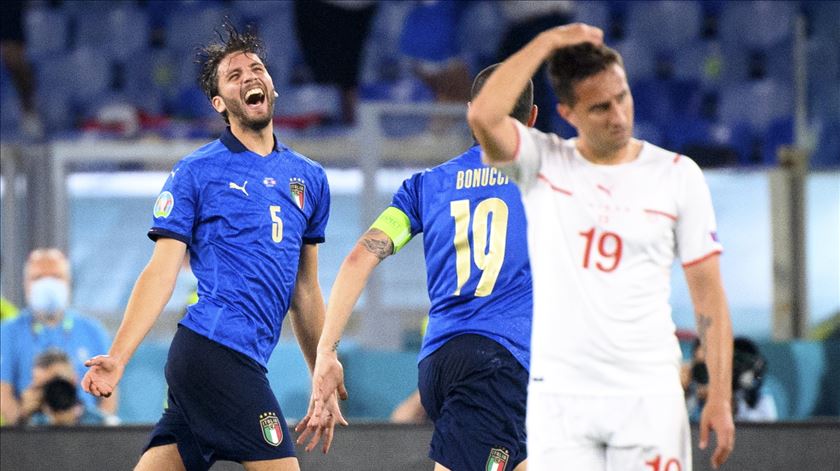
(298, 190)
(271, 430)
(234, 186)
(163, 205)
(498, 459)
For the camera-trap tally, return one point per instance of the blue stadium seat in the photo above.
(760, 23)
(46, 32)
(757, 102)
(778, 133)
(283, 51)
(592, 13)
(638, 59)
(827, 152)
(191, 25)
(664, 25)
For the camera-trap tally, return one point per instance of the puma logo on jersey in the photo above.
(240, 188)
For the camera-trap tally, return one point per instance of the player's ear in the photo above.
(218, 104)
(532, 118)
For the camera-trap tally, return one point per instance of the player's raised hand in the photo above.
(323, 412)
(717, 416)
(574, 33)
(102, 376)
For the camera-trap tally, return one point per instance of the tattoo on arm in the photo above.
(335, 345)
(703, 324)
(382, 248)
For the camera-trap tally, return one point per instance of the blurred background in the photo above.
(102, 100)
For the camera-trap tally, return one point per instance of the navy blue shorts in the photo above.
(221, 406)
(475, 392)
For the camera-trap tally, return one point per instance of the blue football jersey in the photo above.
(245, 219)
(477, 269)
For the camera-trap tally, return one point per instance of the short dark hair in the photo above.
(51, 357)
(522, 110)
(572, 64)
(210, 55)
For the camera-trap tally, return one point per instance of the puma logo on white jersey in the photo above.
(240, 188)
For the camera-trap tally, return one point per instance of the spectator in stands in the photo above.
(13, 52)
(429, 40)
(52, 398)
(749, 402)
(332, 36)
(47, 323)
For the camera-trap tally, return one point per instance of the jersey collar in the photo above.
(235, 146)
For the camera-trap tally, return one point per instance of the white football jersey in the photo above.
(602, 241)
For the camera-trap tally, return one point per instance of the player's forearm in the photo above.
(150, 294)
(307, 316)
(488, 115)
(714, 326)
(351, 280)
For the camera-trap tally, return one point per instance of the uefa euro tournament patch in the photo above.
(498, 459)
(270, 425)
(163, 205)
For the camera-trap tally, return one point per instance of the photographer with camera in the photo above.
(749, 402)
(52, 398)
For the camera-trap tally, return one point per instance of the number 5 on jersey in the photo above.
(276, 223)
(488, 242)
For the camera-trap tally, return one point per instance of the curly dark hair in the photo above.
(572, 64)
(209, 56)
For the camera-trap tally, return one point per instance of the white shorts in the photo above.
(620, 433)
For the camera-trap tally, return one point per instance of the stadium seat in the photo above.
(827, 152)
(663, 25)
(46, 32)
(191, 25)
(778, 133)
(592, 13)
(756, 24)
(757, 102)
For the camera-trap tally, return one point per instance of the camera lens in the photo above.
(699, 373)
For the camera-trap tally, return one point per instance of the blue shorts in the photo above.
(221, 406)
(475, 392)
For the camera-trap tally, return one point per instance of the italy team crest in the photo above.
(298, 190)
(270, 425)
(498, 459)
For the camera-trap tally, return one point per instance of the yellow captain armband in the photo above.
(395, 224)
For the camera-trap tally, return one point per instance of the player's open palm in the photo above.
(104, 372)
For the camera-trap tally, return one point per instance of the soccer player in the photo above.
(251, 211)
(607, 215)
(473, 365)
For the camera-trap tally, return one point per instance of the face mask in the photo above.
(48, 295)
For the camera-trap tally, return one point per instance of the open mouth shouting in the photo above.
(254, 97)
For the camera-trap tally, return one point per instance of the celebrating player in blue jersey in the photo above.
(251, 212)
(473, 369)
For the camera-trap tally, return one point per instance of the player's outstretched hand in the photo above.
(717, 416)
(102, 376)
(324, 412)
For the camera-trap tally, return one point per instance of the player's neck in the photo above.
(259, 141)
(625, 154)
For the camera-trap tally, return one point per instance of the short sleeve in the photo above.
(317, 224)
(696, 229)
(176, 206)
(527, 157)
(408, 200)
